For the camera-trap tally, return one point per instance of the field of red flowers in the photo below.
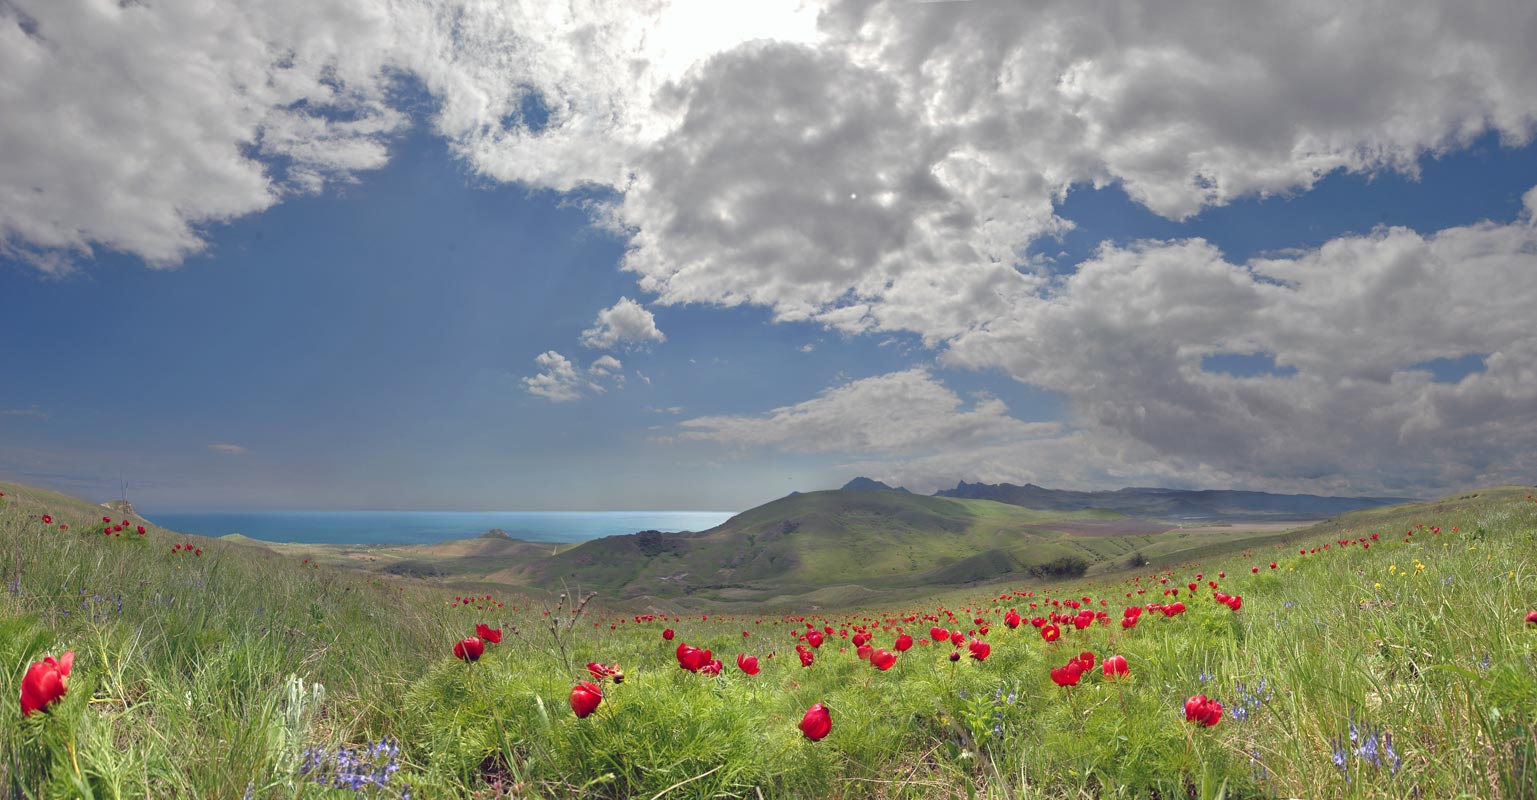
(1393, 654)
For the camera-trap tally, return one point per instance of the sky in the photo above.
(326, 254)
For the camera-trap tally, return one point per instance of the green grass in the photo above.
(204, 684)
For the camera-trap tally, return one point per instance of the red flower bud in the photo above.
(469, 649)
(817, 723)
(585, 698)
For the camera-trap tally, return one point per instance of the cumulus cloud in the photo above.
(625, 323)
(135, 124)
(227, 449)
(926, 140)
(1125, 336)
(145, 123)
(1350, 407)
(558, 380)
(841, 161)
(899, 412)
(561, 381)
(891, 175)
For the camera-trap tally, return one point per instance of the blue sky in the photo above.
(363, 328)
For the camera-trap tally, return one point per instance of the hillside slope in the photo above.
(807, 542)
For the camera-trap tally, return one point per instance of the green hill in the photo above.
(810, 542)
(844, 543)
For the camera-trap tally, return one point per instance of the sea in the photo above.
(430, 527)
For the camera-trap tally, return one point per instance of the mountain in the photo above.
(1173, 504)
(863, 484)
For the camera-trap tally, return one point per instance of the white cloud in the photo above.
(839, 161)
(146, 122)
(626, 322)
(1123, 339)
(228, 449)
(132, 125)
(560, 381)
(605, 365)
(901, 412)
(606, 368)
(890, 176)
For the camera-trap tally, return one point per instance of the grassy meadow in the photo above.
(1385, 654)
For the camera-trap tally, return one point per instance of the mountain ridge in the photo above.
(1192, 505)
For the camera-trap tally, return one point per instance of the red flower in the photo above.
(956, 638)
(44, 682)
(980, 649)
(747, 663)
(1531, 617)
(817, 722)
(47, 519)
(806, 657)
(141, 530)
(1012, 619)
(585, 698)
(1051, 633)
(63, 527)
(1272, 565)
(692, 658)
(469, 649)
(490, 634)
(1115, 667)
(1202, 710)
(107, 520)
(1068, 674)
(883, 659)
(939, 634)
(712, 667)
(667, 634)
(1254, 570)
(904, 643)
(1087, 660)
(814, 638)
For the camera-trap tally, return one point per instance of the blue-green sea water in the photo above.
(431, 527)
